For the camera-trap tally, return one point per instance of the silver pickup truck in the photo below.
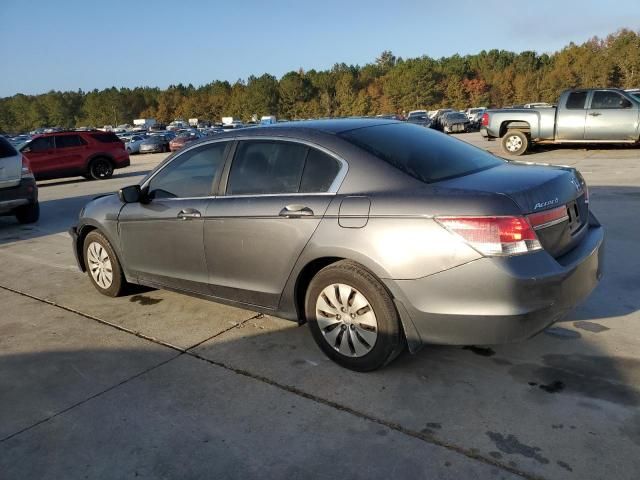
(603, 115)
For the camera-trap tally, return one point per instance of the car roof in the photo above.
(329, 125)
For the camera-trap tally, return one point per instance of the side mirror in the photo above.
(130, 194)
(624, 103)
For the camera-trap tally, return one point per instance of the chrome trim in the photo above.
(333, 188)
(551, 223)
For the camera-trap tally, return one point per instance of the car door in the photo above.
(161, 238)
(70, 152)
(611, 116)
(571, 118)
(276, 194)
(40, 152)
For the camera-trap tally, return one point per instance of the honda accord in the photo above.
(379, 234)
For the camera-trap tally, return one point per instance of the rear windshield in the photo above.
(420, 152)
(6, 149)
(106, 137)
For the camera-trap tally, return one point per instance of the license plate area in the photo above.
(574, 217)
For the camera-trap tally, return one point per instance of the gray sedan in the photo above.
(379, 234)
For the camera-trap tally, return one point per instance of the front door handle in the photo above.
(292, 211)
(595, 114)
(189, 213)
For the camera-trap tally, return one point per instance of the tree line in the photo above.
(389, 85)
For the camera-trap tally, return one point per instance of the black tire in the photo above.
(28, 213)
(100, 168)
(118, 284)
(515, 142)
(389, 341)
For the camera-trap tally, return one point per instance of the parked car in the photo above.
(92, 154)
(455, 122)
(18, 190)
(436, 119)
(602, 115)
(183, 139)
(133, 142)
(475, 116)
(378, 233)
(416, 114)
(422, 120)
(155, 143)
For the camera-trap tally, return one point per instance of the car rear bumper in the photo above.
(500, 299)
(25, 193)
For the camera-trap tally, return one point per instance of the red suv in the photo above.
(92, 154)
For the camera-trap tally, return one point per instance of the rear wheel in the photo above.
(102, 265)
(28, 213)
(352, 317)
(100, 168)
(515, 142)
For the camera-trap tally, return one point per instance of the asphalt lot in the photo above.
(160, 385)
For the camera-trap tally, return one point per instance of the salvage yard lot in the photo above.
(156, 384)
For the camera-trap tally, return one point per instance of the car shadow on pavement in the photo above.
(534, 408)
(56, 216)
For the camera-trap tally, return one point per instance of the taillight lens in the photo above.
(548, 217)
(494, 236)
(26, 168)
(485, 119)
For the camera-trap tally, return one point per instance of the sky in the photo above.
(70, 44)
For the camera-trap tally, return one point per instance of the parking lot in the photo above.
(158, 385)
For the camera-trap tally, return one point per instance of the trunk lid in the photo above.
(10, 165)
(535, 189)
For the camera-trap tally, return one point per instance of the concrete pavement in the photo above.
(158, 384)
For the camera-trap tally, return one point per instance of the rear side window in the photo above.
(320, 170)
(41, 144)
(608, 100)
(266, 167)
(576, 100)
(106, 137)
(420, 152)
(66, 141)
(190, 174)
(6, 149)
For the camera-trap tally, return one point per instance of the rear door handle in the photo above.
(595, 114)
(189, 213)
(292, 211)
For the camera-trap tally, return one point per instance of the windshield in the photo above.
(420, 152)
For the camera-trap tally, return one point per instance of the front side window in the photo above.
(67, 141)
(607, 100)
(191, 174)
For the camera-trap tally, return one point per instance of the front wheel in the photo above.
(100, 168)
(515, 142)
(102, 265)
(353, 318)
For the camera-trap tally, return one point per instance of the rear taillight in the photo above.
(485, 119)
(548, 217)
(493, 236)
(26, 169)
